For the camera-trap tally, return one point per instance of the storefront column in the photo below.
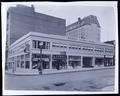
(51, 61)
(30, 61)
(93, 61)
(15, 64)
(50, 45)
(67, 61)
(111, 62)
(31, 47)
(81, 61)
(30, 54)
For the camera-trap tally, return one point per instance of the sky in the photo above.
(71, 11)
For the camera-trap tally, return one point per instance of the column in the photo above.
(50, 45)
(30, 60)
(67, 61)
(51, 61)
(15, 63)
(111, 62)
(81, 61)
(93, 61)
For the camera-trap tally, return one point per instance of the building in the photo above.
(58, 54)
(86, 29)
(23, 19)
(73, 48)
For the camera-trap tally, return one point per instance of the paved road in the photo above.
(85, 81)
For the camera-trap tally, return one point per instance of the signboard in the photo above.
(27, 48)
(44, 59)
(62, 53)
(59, 56)
(35, 59)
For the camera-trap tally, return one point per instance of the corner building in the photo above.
(58, 54)
(75, 47)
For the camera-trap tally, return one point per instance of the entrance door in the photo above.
(87, 62)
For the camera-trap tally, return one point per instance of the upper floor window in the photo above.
(75, 47)
(99, 49)
(36, 44)
(87, 48)
(53, 45)
(83, 34)
(108, 50)
(59, 46)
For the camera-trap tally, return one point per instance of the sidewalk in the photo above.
(75, 70)
(55, 71)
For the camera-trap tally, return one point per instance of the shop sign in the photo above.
(44, 59)
(27, 48)
(35, 59)
(62, 53)
(59, 57)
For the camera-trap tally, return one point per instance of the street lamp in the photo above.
(40, 61)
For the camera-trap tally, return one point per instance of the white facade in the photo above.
(78, 55)
(86, 33)
(86, 29)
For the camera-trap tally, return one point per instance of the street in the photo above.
(98, 80)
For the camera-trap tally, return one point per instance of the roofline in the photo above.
(20, 39)
(54, 37)
(36, 12)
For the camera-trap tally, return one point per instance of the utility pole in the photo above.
(40, 61)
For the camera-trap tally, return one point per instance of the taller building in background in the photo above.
(23, 19)
(86, 29)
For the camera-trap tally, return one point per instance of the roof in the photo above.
(55, 37)
(91, 19)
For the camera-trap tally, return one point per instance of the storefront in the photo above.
(87, 62)
(36, 61)
(59, 62)
(108, 62)
(99, 61)
(74, 61)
